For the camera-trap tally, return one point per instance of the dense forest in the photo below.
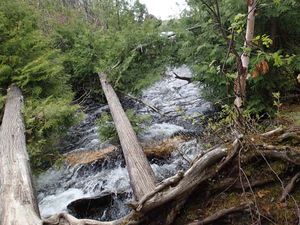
(245, 56)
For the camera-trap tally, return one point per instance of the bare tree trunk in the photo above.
(240, 82)
(17, 200)
(141, 175)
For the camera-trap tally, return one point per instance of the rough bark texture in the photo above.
(191, 180)
(17, 200)
(164, 194)
(141, 175)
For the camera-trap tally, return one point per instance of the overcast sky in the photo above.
(164, 9)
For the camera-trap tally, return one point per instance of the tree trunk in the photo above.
(240, 82)
(18, 203)
(141, 175)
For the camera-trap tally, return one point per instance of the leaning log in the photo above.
(17, 201)
(141, 175)
(175, 189)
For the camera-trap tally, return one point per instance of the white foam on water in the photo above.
(57, 203)
(59, 187)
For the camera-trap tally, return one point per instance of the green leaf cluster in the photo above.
(28, 59)
(107, 129)
(276, 42)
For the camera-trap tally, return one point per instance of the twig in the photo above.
(82, 97)
(141, 101)
(289, 187)
(281, 182)
(188, 79)
(236, 146)
(232, 183)
(222, 213)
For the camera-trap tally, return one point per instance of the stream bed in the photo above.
(179, 103)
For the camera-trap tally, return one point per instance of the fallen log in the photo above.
(141, 175)
(291, 156)
(165, 193)
(67, 219)
(222, 213)
(148, 196)
(191, 179)
(271, 133)
(18, 203)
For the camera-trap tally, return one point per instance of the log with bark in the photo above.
(152, 202)
(141, 175)
(174, 189)
(171, 194)
(17, 200)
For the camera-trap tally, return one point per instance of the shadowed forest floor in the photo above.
(267, 178)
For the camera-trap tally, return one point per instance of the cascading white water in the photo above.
(175, 99)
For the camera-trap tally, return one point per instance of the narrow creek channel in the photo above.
(176, 101)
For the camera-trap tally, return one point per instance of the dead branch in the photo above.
(188, 79)
(289, 187)
(289, 156)
(195, 27)
(117, 64)
(141, 101)
(199, 172)
(289, 135)
(236, 146)
(81, 99)
(271, 133)
(273, 147)
(222, 213)
(231, 184)
(67, 219)
(163, 185)
(191, 179)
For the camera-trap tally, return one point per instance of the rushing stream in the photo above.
(175, 99)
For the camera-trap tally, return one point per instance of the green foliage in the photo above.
(276, 42)
(2, 99)
(126, 45)
(54, 49)
(107, 130)
(27, 59)
(264, 39)
(239, 23)
(277, 103)
(46, 121)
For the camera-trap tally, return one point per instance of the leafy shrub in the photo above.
(27, 59)
(47, 121)
(107, 130)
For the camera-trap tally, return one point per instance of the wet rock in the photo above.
(91, 160)
(164, 148)
(96, 168)
(99, 207)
